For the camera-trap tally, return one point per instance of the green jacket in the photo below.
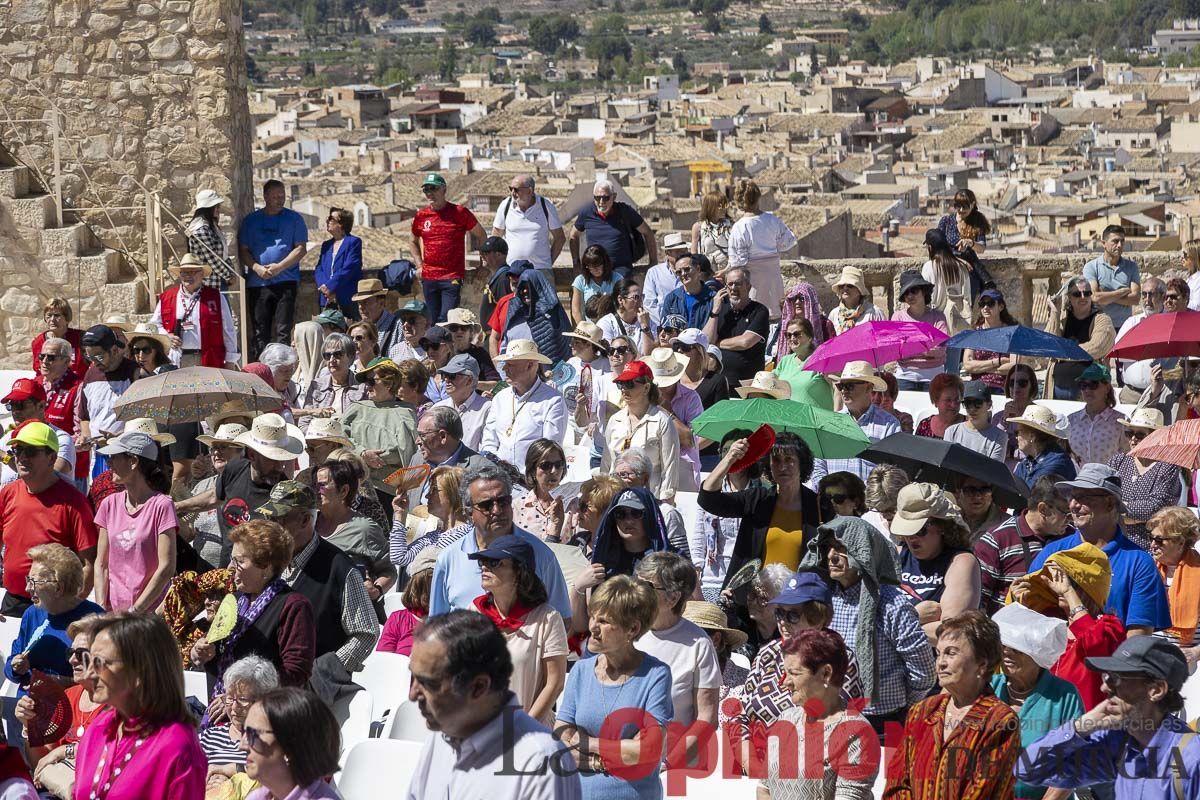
(391, 428)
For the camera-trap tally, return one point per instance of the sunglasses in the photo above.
(552, 466)
(48, 357)
(849, 387)
(96, 359)
(1150, 294)
(496, 503)
(789, 615)
(680, 347)
(1089, 385)
(1087, 293)
(621, 351)
(331, 356)
(974, 403)
(628, 386)
(1132, 433)
(428, 189)
(20, 451)
(1163, 540)
(80, 654)
(99, 663)
(142, 348)
(987, 303)
(976, 491)
(1171, 296)
(490, 563)
(458, 328)
(794, 335)
(254, 739)
(602, 198)
(837, 499)
(629, 513)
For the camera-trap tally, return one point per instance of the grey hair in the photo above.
(770, 579)
(341, 341)
(63, 344)
(276, 355)
(446, 419)
(744, 272)
(1071, 281)
(482, 472)
(604, 183)
(254, 672)
(673, 571)
(636, 459)
(526, 179)
(883, 484)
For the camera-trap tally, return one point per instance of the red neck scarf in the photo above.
(514, 620)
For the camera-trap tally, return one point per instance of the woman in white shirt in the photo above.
(644, 424)
(756, 242)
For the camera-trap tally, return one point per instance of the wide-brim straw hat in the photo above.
(188, 260)
(150, 428)
(522, 350)
(710, 617)
(230, 409)
(766, 383)
(119, 322)
(1039, 418)
(854, 277)
(327, 429)
(666, 366)
(225, 434)
(147, 330)
(588, 331)
(1146, 419)
(862, 372)
(271, 437)
(372, 287)
(461, 316)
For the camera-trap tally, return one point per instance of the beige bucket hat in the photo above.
(766, 383)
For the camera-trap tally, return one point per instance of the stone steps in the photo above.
(14, 182)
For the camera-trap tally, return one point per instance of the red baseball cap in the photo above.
(24, 389)
(634, 370)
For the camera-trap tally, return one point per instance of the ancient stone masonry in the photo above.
(151, 96)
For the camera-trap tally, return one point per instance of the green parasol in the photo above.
(827, 433)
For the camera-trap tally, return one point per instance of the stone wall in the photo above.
(152, 98)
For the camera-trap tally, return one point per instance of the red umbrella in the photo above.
(1177, 444)
(1161, 336)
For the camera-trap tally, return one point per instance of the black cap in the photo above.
(510, 546)
(100, 336)
(977, 390)
(437, 335)
(1148, 656)
(494, 244)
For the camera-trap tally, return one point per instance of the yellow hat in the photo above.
(1085, 564)
(37, 434)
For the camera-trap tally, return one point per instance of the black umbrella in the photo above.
(938, 461)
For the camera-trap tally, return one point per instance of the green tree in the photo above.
(764, 24)
(607, 40)
(814, 66)
(490, 13)
(447, 60)
(480, 32)
(680, 65)
(712, 23)
(547, 34)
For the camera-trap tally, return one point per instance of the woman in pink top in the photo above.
(145, 747)
(135, 556)
(397, 634)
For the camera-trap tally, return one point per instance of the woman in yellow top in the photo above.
(776, 520)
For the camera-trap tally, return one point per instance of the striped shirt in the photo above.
(1005, 553)
(876, 424)
(219, 747)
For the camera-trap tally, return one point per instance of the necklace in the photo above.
(98, 792)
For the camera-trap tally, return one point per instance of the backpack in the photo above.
(507, 204)
(399, 275)
(637, 242)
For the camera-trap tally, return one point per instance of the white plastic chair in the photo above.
(195, 684)
(393, 602)
(407, 724)
(385, 677)
(353, 714)
(379, 768)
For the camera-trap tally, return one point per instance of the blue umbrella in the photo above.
(1021, 341)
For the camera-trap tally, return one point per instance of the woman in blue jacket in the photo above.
(339, 268)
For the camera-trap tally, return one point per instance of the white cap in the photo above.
(692, 337)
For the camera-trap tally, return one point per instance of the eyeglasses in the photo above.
(142, 348)
(1089, 385)
(987, 303)
(552, 466)
(976, 491)
(836, 499)
(1085, 293)
(602, 198)
(428, 189)
(240, 702)
(80, 654)
(48, 356)
(1151, 294)
(628, 513)
(100, 663)
(627, 476)
(496, 503)
(254, 738)
(332, 356)
(789, 615)
(37, 583)
(1162, 540)
(621, 351)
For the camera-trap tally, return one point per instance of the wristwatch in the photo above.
(713, 315)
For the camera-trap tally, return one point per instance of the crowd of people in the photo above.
(462, 459)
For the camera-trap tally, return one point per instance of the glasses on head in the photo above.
(836, 498)
(976, 491)
(628, 513)
(1089, 385)
(1163, 540)
(621, 351)
(80, 654)
(552, 466)
(789, 615)
(602, 198)
(1084, 293)
(494, 504)
(989, 303)
(48, 356)
(254, 738)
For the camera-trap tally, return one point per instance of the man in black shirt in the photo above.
(739, 326)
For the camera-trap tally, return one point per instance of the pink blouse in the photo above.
(169, 764)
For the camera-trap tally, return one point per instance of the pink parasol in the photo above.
(879, 342)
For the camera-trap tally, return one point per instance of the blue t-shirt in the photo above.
(589, 288)
(695, 308)
(49, 652)
(586, 703)
(269, 238)
(1110, 278)
(1137, 595)
(612, 233)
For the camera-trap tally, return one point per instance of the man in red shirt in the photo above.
(438, 249)
(40, 508)
(62, 387)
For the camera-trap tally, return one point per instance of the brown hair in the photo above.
(413, 374)
(446, 480)
(975, 224)
(943, 381)
(980, 632)
(599, 491)
(746, 195)
(267, 543)
(58, 304)
(1192, 249)
(391, 377)
(537, 451)
(1172, 521)
(1180, 286)
(593, 256)
(713, 207)
(416, 591)
(343, 217)
(149, 651)
(627, 602)
(369, 327)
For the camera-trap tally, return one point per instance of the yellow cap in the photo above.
(38, 434)
(1085, 564)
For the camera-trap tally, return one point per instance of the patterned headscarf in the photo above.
(185, 599)
(812, 312)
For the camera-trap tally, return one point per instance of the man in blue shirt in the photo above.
(487, 494)
(1136, 596)
(693, 298)
(609, 223)
(1134, 740)
(1114, 279)
(271, 242)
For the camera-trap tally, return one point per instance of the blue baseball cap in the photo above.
(801, 588)
(509, 546)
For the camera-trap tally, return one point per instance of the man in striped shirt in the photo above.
(1007, 552)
